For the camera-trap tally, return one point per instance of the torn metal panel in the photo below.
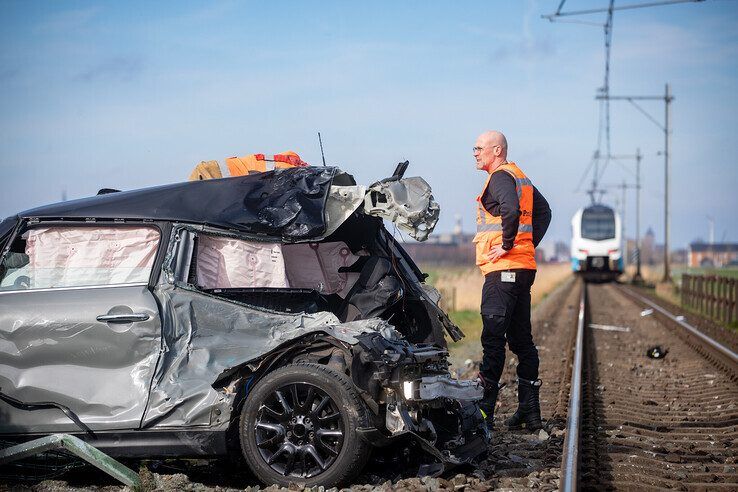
(431, 297)
(206, 336)
(342, 202)
(407, 202)
(443, 386)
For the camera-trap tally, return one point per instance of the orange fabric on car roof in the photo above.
(288, 159)
(240, 166)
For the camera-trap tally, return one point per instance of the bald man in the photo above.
(512, 218)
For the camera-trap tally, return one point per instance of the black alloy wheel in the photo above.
(299, 425)
(299, 430)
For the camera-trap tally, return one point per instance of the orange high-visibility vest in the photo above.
(256, 163)
(489, 227)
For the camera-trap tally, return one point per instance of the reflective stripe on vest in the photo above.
(498, 227)
(519, 183)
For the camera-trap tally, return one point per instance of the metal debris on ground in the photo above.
(647, 312)
(656, 352)
(77, 447)
(609, 327)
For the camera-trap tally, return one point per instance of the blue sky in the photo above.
(133, 94)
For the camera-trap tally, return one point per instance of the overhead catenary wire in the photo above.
(553, 17)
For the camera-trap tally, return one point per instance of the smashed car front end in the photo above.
(414, 396)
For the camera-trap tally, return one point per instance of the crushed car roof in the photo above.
(285, 203)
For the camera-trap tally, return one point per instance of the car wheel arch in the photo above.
(318, 348)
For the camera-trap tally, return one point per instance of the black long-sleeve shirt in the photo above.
(501, 199)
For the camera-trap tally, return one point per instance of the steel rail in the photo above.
(719, 347)
(570, 458)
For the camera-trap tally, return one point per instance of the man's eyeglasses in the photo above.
(479, 149)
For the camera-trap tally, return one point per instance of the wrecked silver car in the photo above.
(270, 316)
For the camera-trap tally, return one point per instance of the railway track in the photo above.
(635, 422)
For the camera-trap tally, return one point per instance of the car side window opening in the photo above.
(310, 277)
(231, 263)
(68, 256)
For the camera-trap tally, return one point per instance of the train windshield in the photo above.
(598, 223)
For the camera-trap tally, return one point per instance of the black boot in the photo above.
(529, 406)
(489, 400)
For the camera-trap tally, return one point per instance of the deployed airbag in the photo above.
(316, 266)
(77, 256)
(224, 263)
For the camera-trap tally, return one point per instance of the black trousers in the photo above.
(506, 319)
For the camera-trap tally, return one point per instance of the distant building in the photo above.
(443, 249)
(561, 251)
(716, 255)
(678, 256)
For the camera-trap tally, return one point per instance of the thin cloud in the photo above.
(68, 20)
(529, 48)
(115, 69)
(526, 50)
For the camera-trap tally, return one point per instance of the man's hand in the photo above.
(496, 252)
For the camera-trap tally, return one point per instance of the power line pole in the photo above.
(666, 128)
(667, 136)
(637, 278)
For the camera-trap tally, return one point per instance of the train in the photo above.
(596, 245)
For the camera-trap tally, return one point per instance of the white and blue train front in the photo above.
(596, 245)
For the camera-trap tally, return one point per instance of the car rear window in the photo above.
(50, 257)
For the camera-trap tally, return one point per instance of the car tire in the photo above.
(298, 425)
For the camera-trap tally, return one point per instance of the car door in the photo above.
(79, 327)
